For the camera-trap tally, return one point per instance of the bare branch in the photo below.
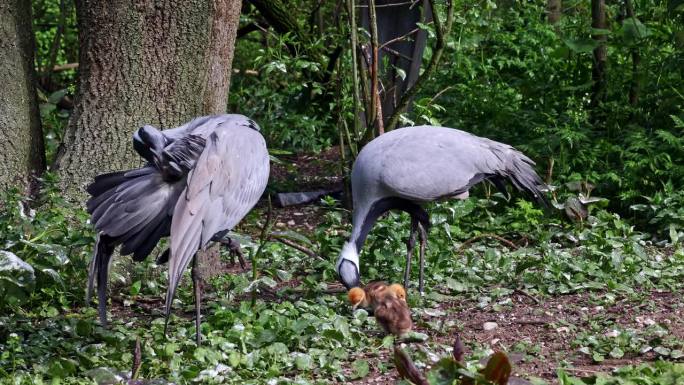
(376, 109)
(396, 39)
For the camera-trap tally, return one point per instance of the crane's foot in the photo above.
(234, 250)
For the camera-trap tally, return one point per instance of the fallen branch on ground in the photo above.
(296, 246)
(489, 235)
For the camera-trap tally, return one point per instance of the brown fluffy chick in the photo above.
(392, 313)
(388, 304)
(366, 297)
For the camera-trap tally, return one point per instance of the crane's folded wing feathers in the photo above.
(426, 163)
(226, 182)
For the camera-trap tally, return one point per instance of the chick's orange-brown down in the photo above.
(388, 304)
(365, 298)
(393, 314)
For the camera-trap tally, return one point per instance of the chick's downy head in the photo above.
(357, 297)
(398, 291)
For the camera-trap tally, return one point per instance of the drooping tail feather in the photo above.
(520, 172)
(99, 267)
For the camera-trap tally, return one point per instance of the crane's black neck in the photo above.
(384, 205)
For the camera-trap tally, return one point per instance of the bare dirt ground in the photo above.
(545, 331)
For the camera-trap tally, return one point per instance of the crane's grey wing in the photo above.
(132, 208)
(227, 181)
(428, 163)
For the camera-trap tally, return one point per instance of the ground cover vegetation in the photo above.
(586, 291)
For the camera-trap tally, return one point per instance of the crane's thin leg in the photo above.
(410, 245)
(423, 242)
(198, 299)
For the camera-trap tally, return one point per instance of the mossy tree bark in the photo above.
(21, 142)
(158, 62)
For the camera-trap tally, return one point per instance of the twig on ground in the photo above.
(526, 294)
(531, 322)
(582, 370)
(488, 235)
(296, 246)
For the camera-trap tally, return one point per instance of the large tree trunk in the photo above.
(143, 62)
(598, 21)
(21, 142)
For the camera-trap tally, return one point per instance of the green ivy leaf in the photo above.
(135, 288)
(303, 361)
(361, 369)
(17, 278)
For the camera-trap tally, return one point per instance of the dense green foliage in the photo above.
(506, 74)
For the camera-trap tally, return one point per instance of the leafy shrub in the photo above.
(52, 237)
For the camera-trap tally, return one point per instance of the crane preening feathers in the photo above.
(409, 166)
(200, 180)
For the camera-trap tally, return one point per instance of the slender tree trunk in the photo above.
(553, 11)
(598, 21)
(21, 142)
(636, 59)
(144, 62)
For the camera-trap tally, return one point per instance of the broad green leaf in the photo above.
(617, 352)
(17, 278)
(135, 288)
(303, 361)
(633, 30)
(444, 372)
(663, 351)
(674, 235)
(295, 236)
(361, 368)
(600, 31)
(56, 96)
(581, 45)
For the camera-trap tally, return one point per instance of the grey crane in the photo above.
(409, 166)
(200, 180)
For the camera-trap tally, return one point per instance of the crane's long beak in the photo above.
(349, 273)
